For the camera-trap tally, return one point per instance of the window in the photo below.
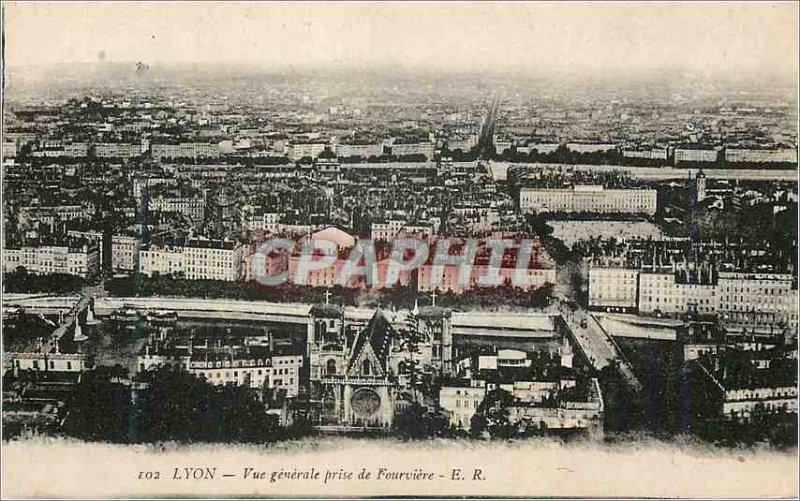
(330, 367)
(366, 368)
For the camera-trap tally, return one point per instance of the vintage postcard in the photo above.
(399, 249)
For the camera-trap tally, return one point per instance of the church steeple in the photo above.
(566, 353)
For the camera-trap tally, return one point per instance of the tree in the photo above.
(493, 415)
(180, 406)
(410, 338)
(418, 422)
(97, 410)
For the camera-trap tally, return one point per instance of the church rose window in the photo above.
(365, 402)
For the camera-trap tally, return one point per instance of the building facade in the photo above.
(589, 198)
(81, 259)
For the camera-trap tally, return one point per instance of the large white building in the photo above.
(281, 372)
(654, 154)
(588, 198)
(161, 259)
(184, 150)
(399, 229)
(80, 258)
(48, 214)
(359, 150)
(213, 259)
(193, 208)
(660, 291)
(296, 151)
(737, 297)
(613, 288)
(401, 149)
(464, 144)
(591, 147)
(696, 155)
(742, 402)
(124, 252)
(758, 297)
(197, 259)
(786, 155)
(117, 150)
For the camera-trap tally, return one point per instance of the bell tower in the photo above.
(435, 321)
(327, 343)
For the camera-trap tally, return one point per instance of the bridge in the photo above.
(474, 323)
(597, 345)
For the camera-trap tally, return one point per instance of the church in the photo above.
(355, 366)
(351, 381)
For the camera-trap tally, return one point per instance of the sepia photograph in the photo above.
(406, 249)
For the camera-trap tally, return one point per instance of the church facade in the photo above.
(351, 381)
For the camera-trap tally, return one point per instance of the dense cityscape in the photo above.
(645, 280)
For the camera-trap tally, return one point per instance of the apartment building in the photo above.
(195, 259)
(737, 297)
(81, 258)
(280, 372)
(193, 208)
(613, 288)
(161, 259)
(184, 150)
(206, 259)
(359, 150)
(591, 147)
(654, 154)
(758, 298)
(683, 155)
(392, 230)
(117, 150)
(296, 151)
(736, 155)
(124, 253)
(403, 149)
(448, 278)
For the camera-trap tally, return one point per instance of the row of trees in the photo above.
(21, 281)
(398, 297)
(165, 285)
(173, 406)
(563, 155)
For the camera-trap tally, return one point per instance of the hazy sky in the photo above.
(712, 37)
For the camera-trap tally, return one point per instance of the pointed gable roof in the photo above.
(378, 335)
